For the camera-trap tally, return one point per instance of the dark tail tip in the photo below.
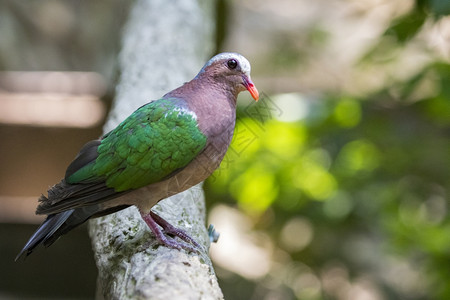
(44, 234)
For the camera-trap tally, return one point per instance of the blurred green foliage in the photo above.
(375, 167)
(370, 174)
(407, 26)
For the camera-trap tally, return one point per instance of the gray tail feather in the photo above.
(58, 224)
(45, 234)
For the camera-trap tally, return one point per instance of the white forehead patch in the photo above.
(243, 62)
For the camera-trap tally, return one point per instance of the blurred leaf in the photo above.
(315, 181)
(438, 110)
(440, 7)
(347, 113)
(406, 27)
(256, 189)
(358, 156)
(443, 71)
(383, 52)
(285, 139)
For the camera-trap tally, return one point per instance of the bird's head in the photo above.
(232, 69)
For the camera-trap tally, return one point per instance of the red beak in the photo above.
(251, 87)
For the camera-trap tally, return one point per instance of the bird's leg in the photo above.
(170, 229)
(153, 220)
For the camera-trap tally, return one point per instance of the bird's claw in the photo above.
(153, 220)
(174, 244)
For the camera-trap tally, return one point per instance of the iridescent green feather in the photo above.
(155, 141)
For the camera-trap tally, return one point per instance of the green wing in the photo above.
(155, 141)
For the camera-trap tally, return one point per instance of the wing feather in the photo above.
(153, 143)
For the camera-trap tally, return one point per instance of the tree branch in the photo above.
(165, 43)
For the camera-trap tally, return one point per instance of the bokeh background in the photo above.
(337, 182)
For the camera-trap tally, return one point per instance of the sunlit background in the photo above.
(337, 182)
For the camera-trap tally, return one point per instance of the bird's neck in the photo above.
(207, 87)
(213, 103)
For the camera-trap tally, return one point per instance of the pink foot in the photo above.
(153, 220)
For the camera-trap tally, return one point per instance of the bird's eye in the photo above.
(232, 64)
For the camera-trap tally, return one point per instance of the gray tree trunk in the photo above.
(165, 43)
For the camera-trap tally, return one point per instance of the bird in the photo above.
(163, 148)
